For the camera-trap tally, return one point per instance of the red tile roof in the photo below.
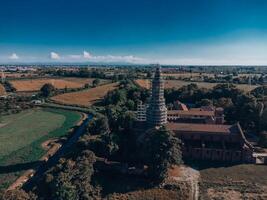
(202, 128)
(191, 112)
(180, 106)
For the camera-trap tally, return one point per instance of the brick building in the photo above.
(202, 130)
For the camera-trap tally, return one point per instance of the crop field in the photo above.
(246, 181)
(22, 134)
(36, 84)
(86, 97)
(2, 90)
(177, 84)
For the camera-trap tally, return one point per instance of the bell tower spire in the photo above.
(157, 111)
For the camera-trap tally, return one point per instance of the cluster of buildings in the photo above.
(202, 130)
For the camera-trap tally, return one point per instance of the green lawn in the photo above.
(21, 136)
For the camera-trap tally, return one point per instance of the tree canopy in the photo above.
(47, 90)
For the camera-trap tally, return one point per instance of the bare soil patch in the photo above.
(2, 90)
(36, 84)
(234, 182)
(85, 98)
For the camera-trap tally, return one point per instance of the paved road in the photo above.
(54, 159)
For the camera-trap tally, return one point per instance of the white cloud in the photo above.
(13, 56)
(87, 55)
(54, 56)
(112, 58)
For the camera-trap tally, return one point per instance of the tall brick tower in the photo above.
(157, 111)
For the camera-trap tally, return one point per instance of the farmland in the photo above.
(86, 97)
(35, 84)
(177, 84)
(22, 134)
(2, 90)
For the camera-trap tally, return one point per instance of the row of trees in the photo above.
(254, 80)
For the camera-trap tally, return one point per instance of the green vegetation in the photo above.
(160, 150)
(111, 135)
(47, 90)
(263, 139)
(20, 130)
(96, 82)
(21, 136)
(14, 105)
(71, 178)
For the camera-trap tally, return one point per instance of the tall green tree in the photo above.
(98, 125)
(160, 149)
(47, 90)
(96, 82)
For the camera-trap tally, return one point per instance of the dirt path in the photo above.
(2, 125)
(185, 178)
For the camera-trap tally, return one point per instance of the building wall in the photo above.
(226, 148)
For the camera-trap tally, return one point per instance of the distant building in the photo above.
(197, 115)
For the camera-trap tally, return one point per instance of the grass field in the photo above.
(21, 136)
(245, 181)
(177, 84)
(36, 84)
(85, 98)
(2, 90)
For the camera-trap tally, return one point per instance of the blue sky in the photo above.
(135, 31)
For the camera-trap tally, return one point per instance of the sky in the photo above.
(180, 32)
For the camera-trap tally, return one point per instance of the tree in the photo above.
(259, 92)
(206, 102)
(96, 82)
(70, 179)
(126, 120)
(16, 195)
(224, 102)
(86, 85)
(263, 139)
(160, 150)
(47, 90)
(98, 125)
(263, 120)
